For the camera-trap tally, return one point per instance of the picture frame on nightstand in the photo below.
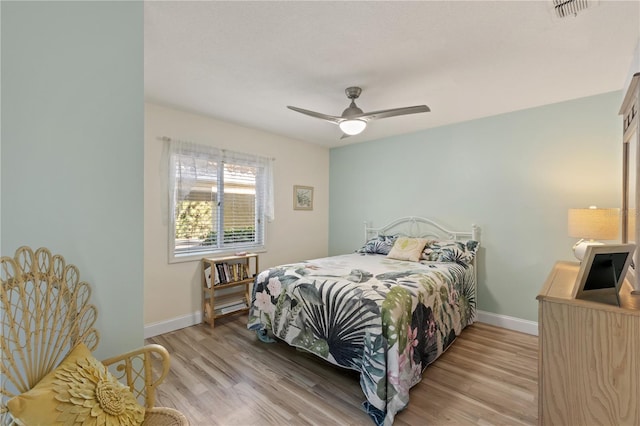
(602, 272)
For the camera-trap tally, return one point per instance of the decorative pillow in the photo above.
(79, 391)
(462, 252)
(406, 248)
(379, 245)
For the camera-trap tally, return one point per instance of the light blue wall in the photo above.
(0, 132)
(515, 175)
(72, 148)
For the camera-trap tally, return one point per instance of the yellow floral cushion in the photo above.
(80, 391)
(406, 248)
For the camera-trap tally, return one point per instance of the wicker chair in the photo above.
(45, 313)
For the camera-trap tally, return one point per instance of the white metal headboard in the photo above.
(420, 227)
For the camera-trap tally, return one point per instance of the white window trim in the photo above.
(174, 146)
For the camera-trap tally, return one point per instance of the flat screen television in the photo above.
(602, 272)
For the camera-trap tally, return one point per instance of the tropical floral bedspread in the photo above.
(387, 319)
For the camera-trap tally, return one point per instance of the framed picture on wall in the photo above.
(302, 197)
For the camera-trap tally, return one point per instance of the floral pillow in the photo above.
(79, 391)
(462, 252)
(379, 245)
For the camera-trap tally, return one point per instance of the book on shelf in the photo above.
(231, 308)
(216, 276)
(221, 273)
(234, 271)
(227, 272)
(245, 271)
(229, 301)
(207, 276)
(210, 273)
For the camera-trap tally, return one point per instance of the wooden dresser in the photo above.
(589, 359)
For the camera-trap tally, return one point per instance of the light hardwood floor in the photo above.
(225, 376)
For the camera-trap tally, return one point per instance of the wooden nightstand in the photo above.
(589, 358)
(226, 273)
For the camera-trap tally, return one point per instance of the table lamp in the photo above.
(592, 224)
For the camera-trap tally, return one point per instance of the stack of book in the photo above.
(225, 308)
(230, 272)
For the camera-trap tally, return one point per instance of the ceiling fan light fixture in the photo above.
(352, 127)
(353, 121)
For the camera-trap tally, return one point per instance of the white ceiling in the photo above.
(244, 62)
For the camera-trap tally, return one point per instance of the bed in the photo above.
(388, 310)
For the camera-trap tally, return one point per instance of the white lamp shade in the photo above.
(594, 223)
(352, 127)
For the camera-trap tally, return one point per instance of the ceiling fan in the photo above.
(353, 121)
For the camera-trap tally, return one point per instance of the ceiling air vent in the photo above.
(565, 8)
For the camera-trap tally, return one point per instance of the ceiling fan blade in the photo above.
(385, 113)
(329, 118)
(344, 136)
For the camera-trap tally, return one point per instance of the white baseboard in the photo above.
(511, 323)
(173, 324)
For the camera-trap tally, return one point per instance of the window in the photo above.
(219, 200)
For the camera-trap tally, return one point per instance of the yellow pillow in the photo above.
(79, 391)
(406, 248)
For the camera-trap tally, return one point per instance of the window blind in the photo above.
(218, 200)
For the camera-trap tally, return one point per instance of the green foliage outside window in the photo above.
(234, 235)
(194, 219)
